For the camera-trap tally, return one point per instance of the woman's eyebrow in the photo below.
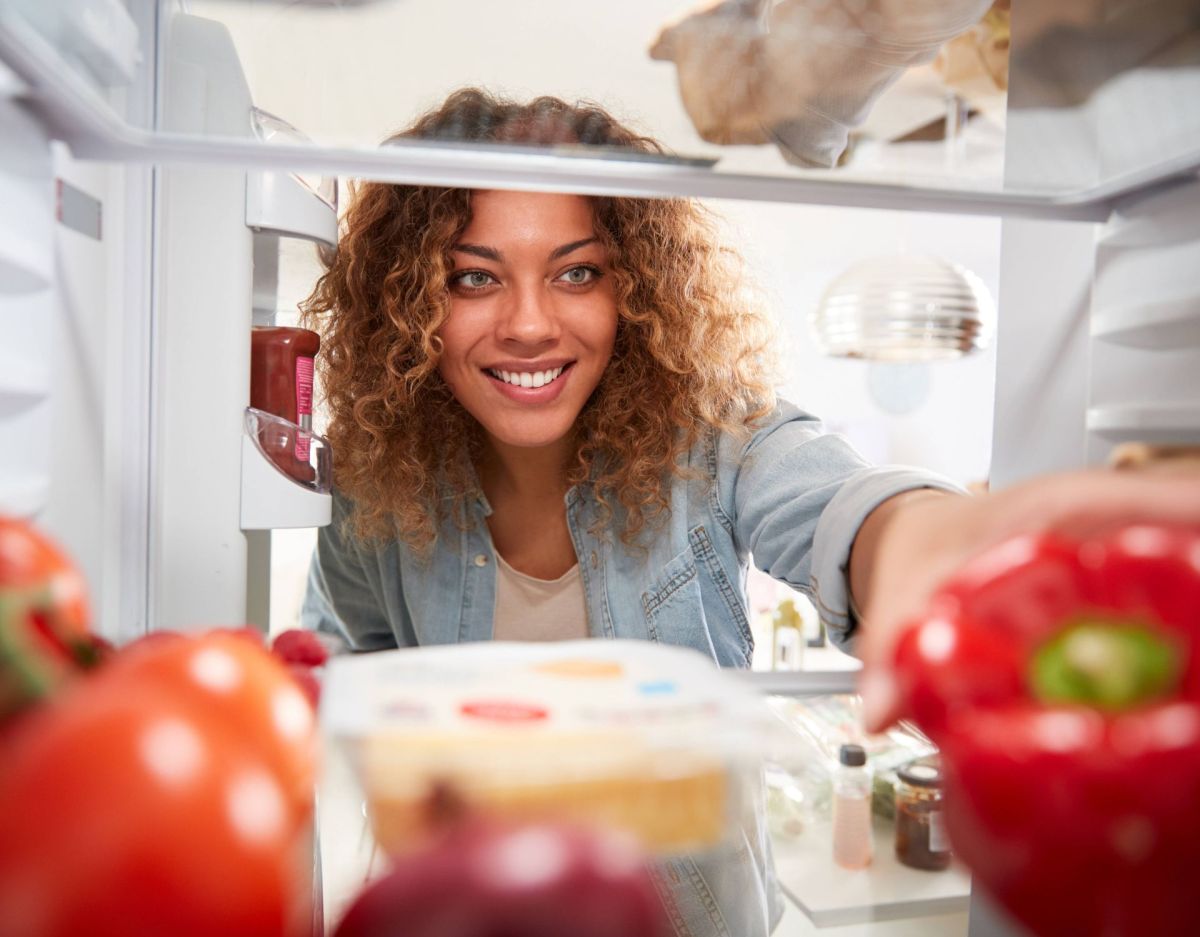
(573, 246)
(490, 253)
(487, 253)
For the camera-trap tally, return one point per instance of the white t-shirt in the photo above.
(529, 609)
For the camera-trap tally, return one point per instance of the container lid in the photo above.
(577, 704)
(852, 755)
(923, 772)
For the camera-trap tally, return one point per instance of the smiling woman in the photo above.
(444, 308)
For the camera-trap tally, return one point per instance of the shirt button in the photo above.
(481, 559)
(595, 560)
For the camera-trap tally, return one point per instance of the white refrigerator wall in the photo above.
(201, 368)
(85, 421)
(69, 392)
(26, 307)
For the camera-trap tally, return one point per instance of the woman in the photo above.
(552, 417)
(647, 444)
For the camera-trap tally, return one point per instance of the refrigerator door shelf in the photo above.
(99, 35)
(19, 391)
(1165, 216)
(279, 203)
(27, 197)
(24, 496)
(286, 475)
(24, 268)
(1164, 325)
(1158, 424)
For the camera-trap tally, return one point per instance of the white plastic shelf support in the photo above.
(1146, 294)
(26, 308)
(98, 35)
(1165, 424)
(279, 203)
(24, 496)
(270, 498)
(1171, 323)
(26, 223)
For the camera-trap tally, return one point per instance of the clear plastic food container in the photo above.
(631, 735)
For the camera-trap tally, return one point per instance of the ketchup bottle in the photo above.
(281, 382)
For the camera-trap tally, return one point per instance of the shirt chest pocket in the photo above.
(692, 601)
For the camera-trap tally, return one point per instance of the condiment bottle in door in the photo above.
(281, 382)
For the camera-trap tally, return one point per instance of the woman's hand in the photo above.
(927, 536)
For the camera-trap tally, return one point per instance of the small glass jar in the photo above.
(921, 840)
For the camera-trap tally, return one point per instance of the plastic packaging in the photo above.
(815, 729)
(853, 839)
(921, 840)
(631, 735)
(787, 806)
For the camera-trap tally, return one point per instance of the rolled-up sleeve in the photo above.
(799, 496)
(343, 595)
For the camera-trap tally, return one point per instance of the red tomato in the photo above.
(44, 619)
(239, 683)
(144, 801)
(29, 560)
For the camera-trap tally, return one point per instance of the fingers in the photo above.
(880, 697)
(1084, 504)
(929, 541)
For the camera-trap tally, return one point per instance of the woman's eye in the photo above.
(579, 276)
(473, 279)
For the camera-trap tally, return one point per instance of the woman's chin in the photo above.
(529, 437)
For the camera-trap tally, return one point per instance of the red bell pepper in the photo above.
(1061, 681)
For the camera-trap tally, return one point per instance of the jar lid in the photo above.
(923, 772)
(852, 755)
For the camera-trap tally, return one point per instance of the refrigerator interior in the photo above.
(147, 219)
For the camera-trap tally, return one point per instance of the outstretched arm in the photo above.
(912, 542)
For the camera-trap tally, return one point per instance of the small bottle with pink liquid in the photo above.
(853, 839)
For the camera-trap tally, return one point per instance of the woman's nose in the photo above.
(530, 316)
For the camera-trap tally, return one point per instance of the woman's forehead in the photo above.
(499, 213)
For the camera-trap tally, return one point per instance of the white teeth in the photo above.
(527, 378)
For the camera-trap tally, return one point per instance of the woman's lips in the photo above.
(532, 395)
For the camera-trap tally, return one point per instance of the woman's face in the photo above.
(532, 316)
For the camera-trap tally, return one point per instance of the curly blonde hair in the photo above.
(691, 354)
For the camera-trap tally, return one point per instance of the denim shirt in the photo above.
(789, 495)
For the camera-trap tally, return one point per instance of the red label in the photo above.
(304, 395)
(304, 385)
(503, 711)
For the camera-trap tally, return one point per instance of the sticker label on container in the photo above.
(304, 397)
(938, 841)
(304, 386)
(503, 711)
(581, 667)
